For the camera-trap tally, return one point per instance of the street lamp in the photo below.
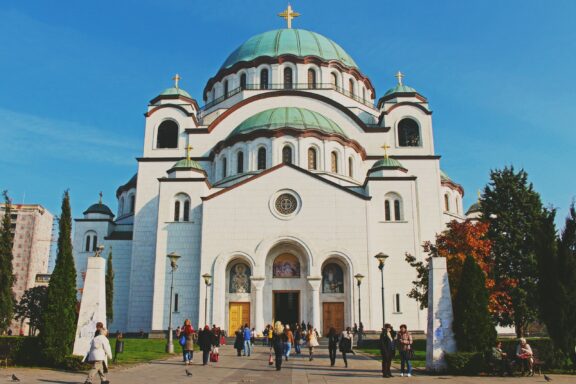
(359, 278)
(207, 277)
(381, 257)
(173, 257)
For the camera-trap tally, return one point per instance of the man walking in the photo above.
(247, 340)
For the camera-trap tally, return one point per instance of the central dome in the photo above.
(288, 117)
(298, 42)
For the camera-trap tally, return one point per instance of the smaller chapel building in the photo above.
(277, 194)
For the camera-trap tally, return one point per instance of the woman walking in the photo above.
(312, 340)
(404, 340)
(278, 343)
(215, 341)
(99, 352)
(332, 345)
(205, 344)
(188, 347)
(289, 341)
(386, 349)
(239, 341)
(346, 344)
(297, 339)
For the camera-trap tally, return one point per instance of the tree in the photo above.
(31, 306)
(109, 288)
(473, 327)
(6, 273)
(557, 279)
(513, 210)
(59, 319)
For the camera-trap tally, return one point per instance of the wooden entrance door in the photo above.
(239, 314)
(332, 316)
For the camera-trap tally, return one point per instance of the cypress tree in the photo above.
(473, 327)
(6, 274)
(109, 288)
(60, 317)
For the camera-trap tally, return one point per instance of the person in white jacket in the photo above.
(99, 354)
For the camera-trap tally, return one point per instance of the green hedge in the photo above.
(23, 350)
(465, 363)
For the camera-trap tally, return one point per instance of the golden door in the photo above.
(239, 314)
(333, 316)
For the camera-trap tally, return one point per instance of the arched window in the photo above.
(225, 88)
(397, 211)
(311, 78)
(94, 243)
(264, 79)
(177, 210)
(243, 81)
(351, 87)
(457, 204)
(239, 278)
(332, 279)
(240, 162)
(261, 158)
(312, 159)
(213, 94)
(121, 206)
(167, 135)
(288, 78)
(88, 241)
(224, 167)
(387, 215)
(287, 154)
(446, 202)
(408, 133)
(334, 162)
(363, 95)
(334, 80)
(350, 167)
(132, 203)
(393, 207)
(186, 211)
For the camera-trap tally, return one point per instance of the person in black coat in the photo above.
(386, 349)
(278, 339)
(239, 341)
(205, 343)
(332, 345)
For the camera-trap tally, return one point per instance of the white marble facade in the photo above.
(244, 199)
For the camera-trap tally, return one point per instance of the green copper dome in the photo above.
(400, 88)
(388, 162)
(175, 91)
(187, 163)
(298, 42)
(288, 117)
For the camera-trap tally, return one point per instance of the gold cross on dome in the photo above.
(288, 15)
(100, 194)
(188, 149)
(176, 79)
(479, 195)
(399, 75)
(385, 147)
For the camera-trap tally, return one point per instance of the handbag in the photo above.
(214, 357)
(182, 340)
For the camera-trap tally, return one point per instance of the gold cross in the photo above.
(288, 15)
(386, 147)
(479, 195)
(188, 149)
(100, 194)
(399, 76)
(176, 80)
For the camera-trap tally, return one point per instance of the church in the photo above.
(282, 195)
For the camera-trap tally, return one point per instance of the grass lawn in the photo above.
(143, 350)
(419, 360)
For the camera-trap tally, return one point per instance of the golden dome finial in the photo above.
(176, 79)
(385, 147)
(399, 75)
(288, 15)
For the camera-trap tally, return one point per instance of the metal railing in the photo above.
(294, 86)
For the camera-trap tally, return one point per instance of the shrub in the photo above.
(465, 363)
(74, 364)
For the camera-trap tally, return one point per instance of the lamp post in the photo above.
(359, 278)
(173, 257)
(207, 277)
(381, 257)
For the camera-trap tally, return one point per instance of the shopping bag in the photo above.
(270, 359)
(214, 357)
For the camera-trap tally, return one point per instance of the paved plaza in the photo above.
(255, 370)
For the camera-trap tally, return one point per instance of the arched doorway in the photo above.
(238, 294)
(335, 295)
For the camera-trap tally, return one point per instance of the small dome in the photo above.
(175, 92)
(297, 42)
(187, 164)
(288, 117)
(400, 88)
(99, 208)
(387, 162)
(474, 208)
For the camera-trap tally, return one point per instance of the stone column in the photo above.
(258, 284)
(315, 283)
(440, 337)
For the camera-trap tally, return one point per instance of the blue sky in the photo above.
(76, 77)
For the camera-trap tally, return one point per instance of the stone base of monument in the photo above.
(440, 337)
(92, 305)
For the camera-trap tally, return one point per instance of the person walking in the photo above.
(247, 340)
(205, 344)
(188, 347)
(278, 343)
(239, 341)
(265, 335)
(289, 336)
(404, 341)
(332, 345)
(387, 350)
(215, 341)
(100, 351)
(346, 344)
(312, 341)
(298, 340)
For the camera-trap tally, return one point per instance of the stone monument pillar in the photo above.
(93, 304)
(440, 337)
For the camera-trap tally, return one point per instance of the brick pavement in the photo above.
(255, 370)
